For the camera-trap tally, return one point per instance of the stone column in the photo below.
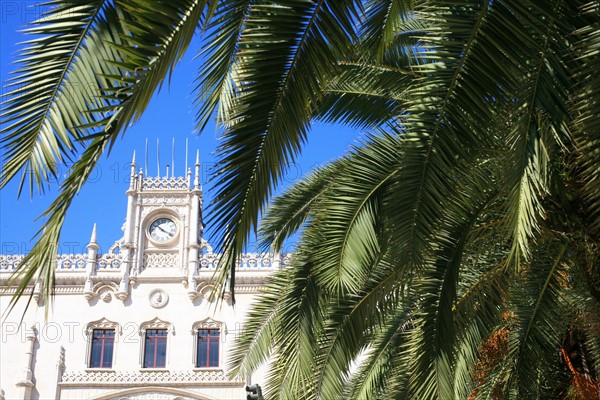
(129, 245)
(60, 369)
(25, 384)
(90, 264)
(194, 237)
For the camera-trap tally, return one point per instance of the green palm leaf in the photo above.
(283, 57)
(137, 71)
(60, 80)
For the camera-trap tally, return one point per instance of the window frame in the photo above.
(103, 340)
(210, 338)
(101, 324)
(157, 339)
(208, 324)
(155, 324)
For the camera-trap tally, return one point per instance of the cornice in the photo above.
(147, 378)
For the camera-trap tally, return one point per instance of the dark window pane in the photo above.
(108, 353)
(161, 354)
(214, 353)
(96, 353)
(149, 353)
(155, 354)
(202, 354)
(102, 348)
(208, 348)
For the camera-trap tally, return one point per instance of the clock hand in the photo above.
(162, 229)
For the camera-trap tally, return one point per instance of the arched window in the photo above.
(101, 338)
(155, 339)
(208, 336)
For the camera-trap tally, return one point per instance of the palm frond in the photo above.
(216, 79)
(38, 266)
(382, 365)
(351, 323)
(444, 122)
(542, 106)
(60, 79)
(284, 53)
(289, 212)
(365, 95)
(138, 70)
(535, 341)
(586, 107)
(348, 239)
(383, 22)
(435, 342)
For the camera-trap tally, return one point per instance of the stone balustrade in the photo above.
(112, 262)
(159, 183)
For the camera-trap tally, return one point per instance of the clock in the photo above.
(162, 230)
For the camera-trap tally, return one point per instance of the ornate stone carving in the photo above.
(37, 289)
(205, 291)
(156, 323)
(112, 260)
(165, 199)
(60, 364)
(209, 323)
(255, 261)
(158, 298)
(105, 296)
(206, 246)
(70, 261)
(161, 260)
(104, 289)
(209, 261)
(165, 183)
(150, 395)
(116, 247)
(10, 262)
(109, 261)
(110, 377)
(179, 210)
(286, 259)
(102, 323)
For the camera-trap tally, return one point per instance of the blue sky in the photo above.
(102, 200)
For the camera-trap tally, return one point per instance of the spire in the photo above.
(92, 253)
(157, 159)
(172, 158)
(132, 174)
(94, 235)
(197, 171)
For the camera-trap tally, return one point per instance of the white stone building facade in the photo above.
(137, 322)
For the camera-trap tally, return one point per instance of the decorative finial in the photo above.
(94, 236)
(61, 359)
(157, 158)
(172, 159)
(132, 174)
(186, 155)
(93, 245)
(146, 157)
(197, 171)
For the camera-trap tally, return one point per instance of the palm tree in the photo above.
(453, 254)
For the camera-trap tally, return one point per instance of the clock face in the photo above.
(163, 230)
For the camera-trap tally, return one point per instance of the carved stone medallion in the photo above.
(158, 298)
